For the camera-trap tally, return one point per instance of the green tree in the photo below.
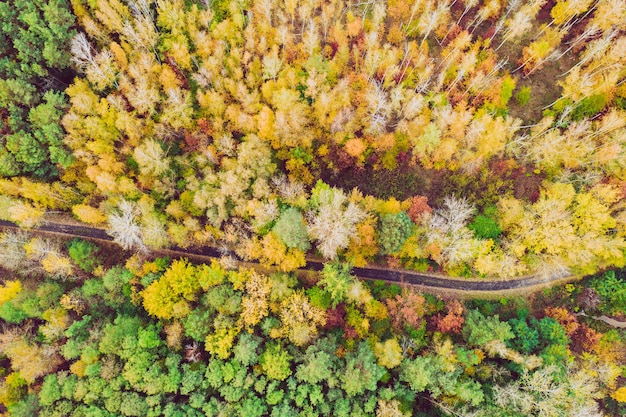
(526, 337)
(291, 229)
(34, 61)
(485, 226)
(83, 253)
(361, 373)
(417, 372)
(394, 230)
(336, 280)
(479, 330)
(246, 349)
(317, 366)
(276, 362)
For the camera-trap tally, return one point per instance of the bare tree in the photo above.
(125, 228)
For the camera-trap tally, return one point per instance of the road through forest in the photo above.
(398, 276)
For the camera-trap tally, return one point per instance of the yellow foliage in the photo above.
(272, 251)
(174, 333)
(391, 206)
(168, 78)
(358, 293)
(220, 343)
(9, 291)
(57, 322)
(72, 302)
(78, 368)
(255, 302)
(30, 360)
(119, 55)
(135, 265)
(57, 264)
(169, 296)
(355, 147)
(182, 278)
(620, 395)
(388, 354)
(265, 124)
(210, 276)
(88, 214)
(300, 320)
(25, 214)
(364, 246)
(376, 310)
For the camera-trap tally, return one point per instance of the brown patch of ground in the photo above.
(401, 183)
(482, 188)
(544, 89)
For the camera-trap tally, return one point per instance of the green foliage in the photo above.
(131, 404)
(478, 330)
(11, 313)
(485, 227)
(589, 106)
(526, 337)
(523, 95)
(417, 372)
(224, 299)
(611, 287)
(551, 332)
(26, 407)
(318, 364)
(83, 254)
(361, 373)
(336, 280)
(319, 297)
(50, 390)
(291, 229)
(394, 230)
(246, 349)
(276, 362)
(34, 46)
(120, 362)
(198, 323)
(508, 85)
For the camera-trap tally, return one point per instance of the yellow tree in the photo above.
(300, 320)
(255, 302)
(564, 230)
(170, 296)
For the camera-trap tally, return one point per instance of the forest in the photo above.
(469, 139)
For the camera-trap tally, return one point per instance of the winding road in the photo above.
(433, 282)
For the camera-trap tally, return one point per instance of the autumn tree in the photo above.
(124, 227)
(300, 320)
(332, 219)
(171, 294)
(559, 229)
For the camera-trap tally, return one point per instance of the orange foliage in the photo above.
(419, 207)
(586, 338)
(565, 319)
(453, 321)
(407, 308)
(364, 247)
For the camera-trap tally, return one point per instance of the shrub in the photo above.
(523, 96)
(394, 230)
